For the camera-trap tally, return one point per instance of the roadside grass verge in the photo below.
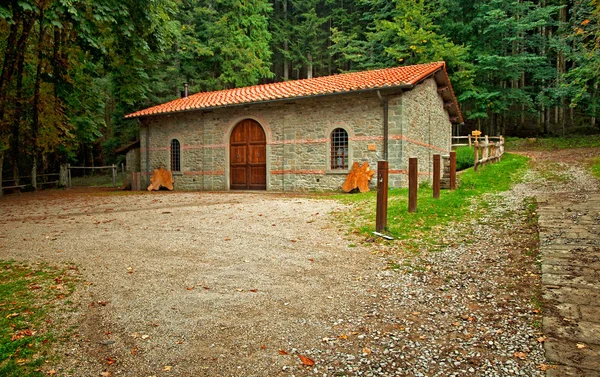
(28, 295)
(551, 143)
(421, 229)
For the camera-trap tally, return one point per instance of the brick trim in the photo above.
(280, 172)
(405, 172)
(208, 172)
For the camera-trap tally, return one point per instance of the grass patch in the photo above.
(434, 214)
(27, 295)
(551, 143)
(465, 157)
(596, 167)
(96, 180)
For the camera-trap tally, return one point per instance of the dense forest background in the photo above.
(70, 69)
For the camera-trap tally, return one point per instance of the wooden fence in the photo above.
(487, 151)
(486, 148)
(112, 167)
(41, 180)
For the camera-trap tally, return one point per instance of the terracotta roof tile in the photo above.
(346, 82)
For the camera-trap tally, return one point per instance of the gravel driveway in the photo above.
(207, 284)
(240, 284)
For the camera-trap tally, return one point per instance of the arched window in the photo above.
(339, 149)
(175, 155)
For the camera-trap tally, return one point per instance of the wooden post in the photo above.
(436, 176)
(413, 183)
(476, 156)
(69, 179)
(469, 140)
(453, 170)
(382, 196)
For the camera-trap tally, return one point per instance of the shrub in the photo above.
(465, 158)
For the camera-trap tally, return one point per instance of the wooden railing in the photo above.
(487, 151)
(457, 141)
(486, 148)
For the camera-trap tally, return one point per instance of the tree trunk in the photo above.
(18, 115)
(309, 66)
(1, 164)
(594, 108)
(286, 62)
(36, 97)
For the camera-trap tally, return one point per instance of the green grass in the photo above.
(27, 295)
(465, 158)
(419, 228)
(99, 180)
(552, 143)
(596, 168)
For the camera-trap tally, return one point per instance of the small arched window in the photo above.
(339, 149)
(175, 155)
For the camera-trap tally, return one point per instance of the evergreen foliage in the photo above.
(70, 70)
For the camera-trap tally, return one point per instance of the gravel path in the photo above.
(224, 284)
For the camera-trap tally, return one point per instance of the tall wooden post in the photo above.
(382, 196)
(436, 176)
(476, 156)
(453, 169)
(413, 179)
(114, 175)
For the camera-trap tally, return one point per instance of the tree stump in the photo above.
(161, 178)
(359, 177)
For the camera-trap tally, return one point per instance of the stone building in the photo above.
(132, 156)
(303, 134)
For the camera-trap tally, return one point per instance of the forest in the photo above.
(71, 69)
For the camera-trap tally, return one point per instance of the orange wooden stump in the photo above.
(161, 178)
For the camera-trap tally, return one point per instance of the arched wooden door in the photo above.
(248, 156)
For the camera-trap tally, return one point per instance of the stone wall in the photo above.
(132, 160)
(298, 138)
(426, 128)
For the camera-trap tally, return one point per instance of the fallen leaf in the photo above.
(145, 336)
(581, 345)
(520, 355)
(12, 315)
(545, 367)
(227, 239)
(254, 290)
(306, 360)
(110, 360)
(282, 352)
(167, 368)
(106, 374)
(134, 351)
(51, 372)
(542, 339)
(366, 350)
(190, 288)
(21, 361)
(343, 336)
(263, 347)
